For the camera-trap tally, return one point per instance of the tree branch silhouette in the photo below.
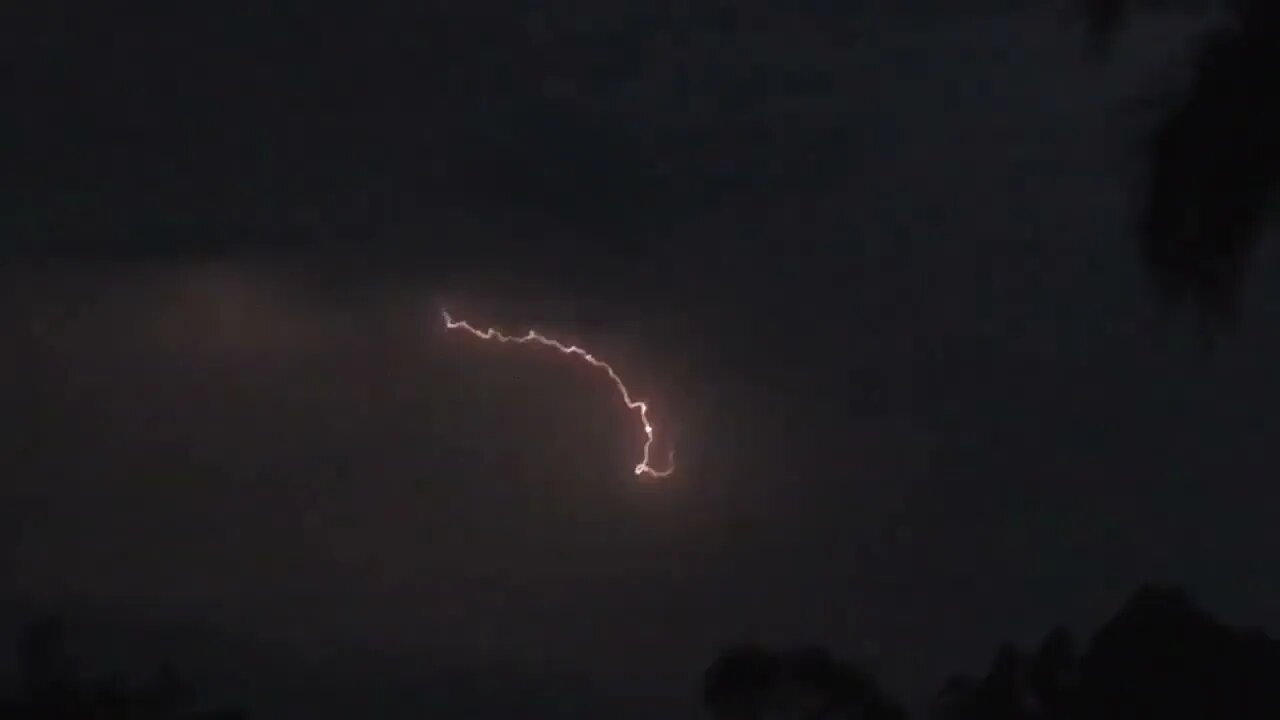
(1213, 160)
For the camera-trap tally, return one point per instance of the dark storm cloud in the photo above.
(229, 441)
(179, 132)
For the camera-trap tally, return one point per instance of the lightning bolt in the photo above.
(535, 338)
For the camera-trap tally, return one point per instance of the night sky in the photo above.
(873, 270)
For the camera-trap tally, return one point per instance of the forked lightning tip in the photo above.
(532, 336)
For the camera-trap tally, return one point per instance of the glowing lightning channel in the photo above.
(532, 337)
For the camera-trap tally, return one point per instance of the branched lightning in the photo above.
(533, 337)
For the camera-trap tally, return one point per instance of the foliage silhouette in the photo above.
(51, 687)
(1213, 163)
(1159, 657)
(750, 683)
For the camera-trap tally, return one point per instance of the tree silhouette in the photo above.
(752, 683)
(1213, 162)
(46, 669)
(1017, 686)
(1055, 675)
(51, 687)
(1160, 657)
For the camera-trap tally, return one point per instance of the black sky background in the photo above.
(872, 270)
